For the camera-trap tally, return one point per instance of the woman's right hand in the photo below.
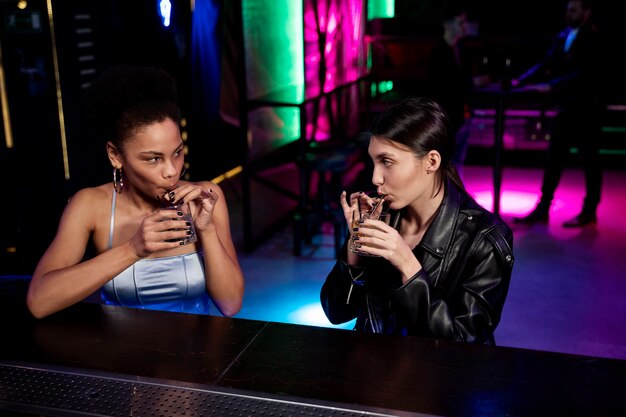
(161, 230)
(358, 201)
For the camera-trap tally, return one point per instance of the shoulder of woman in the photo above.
(92, 195)
(89, 204)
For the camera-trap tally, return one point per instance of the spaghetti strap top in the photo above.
(172, 283)
(112, 221)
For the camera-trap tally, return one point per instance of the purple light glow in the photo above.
(514, 203)
(508, 140)
(511, 202)
(516, 198)
(521, 190)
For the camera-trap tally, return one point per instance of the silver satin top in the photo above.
(172, 283)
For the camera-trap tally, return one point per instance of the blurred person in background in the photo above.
(571, 71)
(450, 76)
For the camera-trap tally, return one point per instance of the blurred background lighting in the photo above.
(165, 9)
(313, 315)
(512, 202)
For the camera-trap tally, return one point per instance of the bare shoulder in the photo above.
(90, 204)
(92, 196)
(78, 221)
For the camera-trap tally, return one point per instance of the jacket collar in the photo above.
(438, 237)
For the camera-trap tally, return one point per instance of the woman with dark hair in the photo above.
(442, 267)
(150, 253)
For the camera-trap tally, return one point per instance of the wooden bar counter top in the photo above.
(327, 367)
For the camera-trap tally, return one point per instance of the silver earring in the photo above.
(118, 180)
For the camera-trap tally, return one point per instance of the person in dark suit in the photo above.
(570, 71)
(451, 78)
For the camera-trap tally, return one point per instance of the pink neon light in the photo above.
(335, 50)
(515, 203)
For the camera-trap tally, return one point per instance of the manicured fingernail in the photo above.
(188, 223)
(181, 243)
(180, 213)
(172, 195)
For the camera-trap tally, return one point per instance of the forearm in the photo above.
(56, 289)
(343, 292)
(224, 279)
(533, 74)
(353, 258)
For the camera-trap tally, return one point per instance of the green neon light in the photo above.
(380, 87)
(386, 86)
(380, 9)
(614, 129)
(603, 151)
(274, 39)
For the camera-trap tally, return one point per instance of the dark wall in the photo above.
(89, 36)
(520, 31)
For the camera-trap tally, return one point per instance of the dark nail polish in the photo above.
(188, 223)
(181, 243)
(171, 195)
(355, 238)
(355, 229)
(180, 213)
(188, 232)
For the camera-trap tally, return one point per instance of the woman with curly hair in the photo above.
(146, 256)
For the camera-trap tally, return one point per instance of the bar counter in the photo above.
(328, 367)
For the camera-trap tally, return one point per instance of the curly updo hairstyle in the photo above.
(125, 98)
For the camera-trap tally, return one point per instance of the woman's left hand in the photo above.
(204, 201)
(378, 238)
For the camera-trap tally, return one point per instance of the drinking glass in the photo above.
(183, 208)
(357, 218)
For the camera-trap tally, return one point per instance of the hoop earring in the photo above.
(118, 180)
(182, 173)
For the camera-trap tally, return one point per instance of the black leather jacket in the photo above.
(467, 259)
